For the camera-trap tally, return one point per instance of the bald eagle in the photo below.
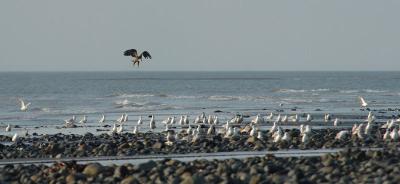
(135, 57)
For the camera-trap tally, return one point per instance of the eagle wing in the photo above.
(146, 54)
(131, 52)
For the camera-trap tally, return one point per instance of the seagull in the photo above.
(114, 129)
(371, 118)
(197, 120)
(258, 120)
(70, 122)
(278, 119)
(199, 129)
(120, 129)
(211, 130)
(295, 118)
(121, 119)
(15, 138)
(186, 120)
(152, 123)
(273, 128)
(181, 121)
(363, 103)
(386, 136)
(286, 137)
(367, 129)
(125, 118)
(24, 106)
(270, 116)
(336, 122)
(102, 119)
(8, 128)
(135, 57)
(327, 117)
(284, 119)
(216, 121)
(83, 120)
(260, 135)
(139, 122)
(309, 118)
(253, 131)
(229, 132)
(135, 130)
(277, 135)
(307, 129)
(210, 119)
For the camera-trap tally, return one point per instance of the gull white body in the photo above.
(83, 120)
(140, 121)
(152, 123)
(8, 128)
(24, 106)
(15, 138)
(102, 119)
(363, 103)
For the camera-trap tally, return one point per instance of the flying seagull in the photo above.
(363, 103)
(24, 105)
(135, 57)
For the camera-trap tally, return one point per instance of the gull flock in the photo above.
(206, 126)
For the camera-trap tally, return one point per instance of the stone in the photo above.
(129, 180)
(147, 166)
(157, 145)
(120, 171)
(92, 170)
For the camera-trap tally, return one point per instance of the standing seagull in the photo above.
(102, 119)
(24, 106)
(135, 57)
(363, 103)
(8, 128)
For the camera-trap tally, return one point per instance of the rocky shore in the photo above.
(349, 166)
(127, 144)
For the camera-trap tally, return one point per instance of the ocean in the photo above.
(56, 96)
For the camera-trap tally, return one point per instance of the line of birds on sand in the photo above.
(213, 120)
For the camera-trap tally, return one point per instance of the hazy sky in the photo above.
(91, 35)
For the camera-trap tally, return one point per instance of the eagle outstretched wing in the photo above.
(131, 52)
(146, 54)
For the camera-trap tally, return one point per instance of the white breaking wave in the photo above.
(374, 91)
(349, 91)
(301, 90)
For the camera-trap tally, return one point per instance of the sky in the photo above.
(209, 35)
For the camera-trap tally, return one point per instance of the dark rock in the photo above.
(147, 166)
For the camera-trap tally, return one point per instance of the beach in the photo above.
(282, 127)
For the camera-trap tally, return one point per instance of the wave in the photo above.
(349, 91)
(297, 101)
(149, 107)
(135, 95)
(285, 90)
(222, 98)
(374, 91)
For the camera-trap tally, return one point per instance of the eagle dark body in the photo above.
(135, 57)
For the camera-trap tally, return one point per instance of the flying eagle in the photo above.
(135, 57)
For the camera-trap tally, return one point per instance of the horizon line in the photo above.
(50, 71)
